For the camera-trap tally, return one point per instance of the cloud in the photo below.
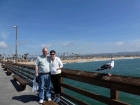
(69, 44)
(46, 45)
(119, 43)
(4, 35)
(134, 43)
(65, 44)
(3, 45)
(137, 43)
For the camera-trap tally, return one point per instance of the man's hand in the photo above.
(36, 74)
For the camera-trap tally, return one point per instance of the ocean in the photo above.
(125, 67)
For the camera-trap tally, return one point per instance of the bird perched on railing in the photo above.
(107, 66)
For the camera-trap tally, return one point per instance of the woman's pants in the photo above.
(56, 83)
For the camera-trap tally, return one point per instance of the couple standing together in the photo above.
(48, 69)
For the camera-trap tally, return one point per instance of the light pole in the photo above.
(16, 40)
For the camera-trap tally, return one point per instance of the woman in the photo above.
(55, 66)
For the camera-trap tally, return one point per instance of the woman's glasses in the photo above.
(51, 54)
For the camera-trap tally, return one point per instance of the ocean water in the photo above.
(126, 67)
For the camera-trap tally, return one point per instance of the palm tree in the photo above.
(72, 54)
(25, 55)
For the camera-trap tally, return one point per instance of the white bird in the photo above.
(107, 66)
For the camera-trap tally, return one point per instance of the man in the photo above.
(42, 70)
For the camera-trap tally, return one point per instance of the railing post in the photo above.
(18, 68)
(62, 81)
(14, 66)
(114, 94)
(28, 73)
(7, 65)
(22, 70)
(10, 64)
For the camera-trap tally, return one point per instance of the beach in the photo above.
(84, 60)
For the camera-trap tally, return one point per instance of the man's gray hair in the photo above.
(44, 48)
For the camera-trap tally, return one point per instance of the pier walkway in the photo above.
(10, 93)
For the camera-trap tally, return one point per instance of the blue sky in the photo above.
(73, 26)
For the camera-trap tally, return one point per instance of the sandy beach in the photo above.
(84, 60)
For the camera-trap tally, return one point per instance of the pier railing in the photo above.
(115, 83)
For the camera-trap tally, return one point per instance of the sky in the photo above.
(70, 26)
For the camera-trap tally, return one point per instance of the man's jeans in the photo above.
(44, 80)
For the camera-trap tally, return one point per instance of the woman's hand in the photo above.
(57, 68)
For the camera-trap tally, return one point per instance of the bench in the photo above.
(22, 82)
(2, 66)
(9, 72)
(5, 69)
(49, 103)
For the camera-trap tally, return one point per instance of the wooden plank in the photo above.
(120, 83)
(126, 88)
(74, 99)
(49, 103)
(26, 75)
(22, 82)
(9, 72)
(27, 66)
(94, 96)
(84, 79)
(28, 72)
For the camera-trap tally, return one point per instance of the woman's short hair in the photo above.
(52, 51)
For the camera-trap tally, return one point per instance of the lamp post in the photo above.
(16, 40)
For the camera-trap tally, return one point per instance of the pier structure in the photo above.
(115, 84)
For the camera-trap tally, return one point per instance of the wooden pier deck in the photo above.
(115, 83)
(10, 93)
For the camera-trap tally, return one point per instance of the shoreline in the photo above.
(96, 59)
(84, 60)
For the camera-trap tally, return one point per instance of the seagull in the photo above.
(107, 66)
